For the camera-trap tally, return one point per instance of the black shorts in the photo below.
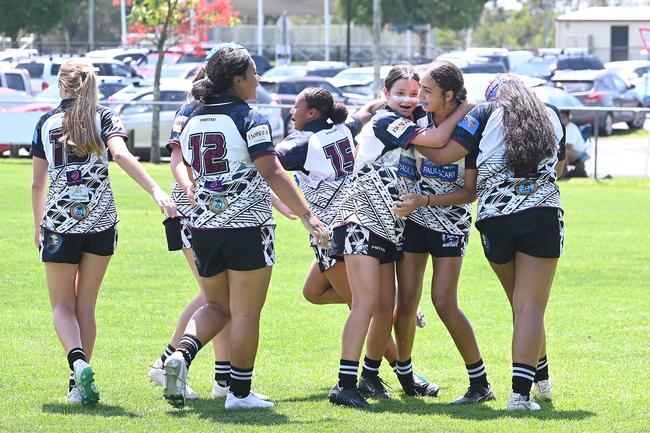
(355, 239)
(244, 249)
(324, 260)
(538, 232)
(418, 239)
(68, 248)
(178, 233)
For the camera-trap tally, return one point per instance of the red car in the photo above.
(13, 101)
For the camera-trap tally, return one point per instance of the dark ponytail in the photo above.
(322, 100)
(222, 67)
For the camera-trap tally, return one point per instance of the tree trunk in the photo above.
(154, 156)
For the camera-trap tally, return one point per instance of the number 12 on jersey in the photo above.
(341, 157)
(208, 153)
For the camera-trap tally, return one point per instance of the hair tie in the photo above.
(493, 88)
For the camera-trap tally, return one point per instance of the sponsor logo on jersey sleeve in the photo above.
(179, 123)
(399, 127)
(35, 137)
(469, 124)
(259, 134)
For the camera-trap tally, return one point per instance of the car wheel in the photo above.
(638, 121)
(608, 125)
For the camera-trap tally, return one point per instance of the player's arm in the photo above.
(278, 179)
(365, 113)
(132, 167)
(439, 137)
(39, 189)
(407, 203)
(182, 173)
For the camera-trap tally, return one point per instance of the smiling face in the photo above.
(403, 96)
(432, 97)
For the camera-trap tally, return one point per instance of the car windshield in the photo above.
(536, 68)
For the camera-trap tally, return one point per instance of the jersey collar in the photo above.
(317, 125)
(224, 99)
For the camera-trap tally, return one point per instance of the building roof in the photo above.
(276, 7)
(617, 13)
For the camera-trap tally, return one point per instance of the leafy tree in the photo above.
(33, 16)
(448, 14)
(170, 22)
(522, 29)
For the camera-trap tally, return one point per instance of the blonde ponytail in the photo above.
(80, 133)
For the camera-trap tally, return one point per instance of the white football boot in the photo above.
(519, 402)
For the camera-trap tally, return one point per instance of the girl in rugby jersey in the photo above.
(322, 154)
(519, 143)
(179, 237)
(438, 224)
(368, 234)
(229, 148)
(75, 227)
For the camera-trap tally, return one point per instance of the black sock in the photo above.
(522, 378)
(370, 367)
(74, 355)
(348, 374)
(240, 381)
(393, 365)
(477, 374)
(189, 346)
(170, 349)
(222, 373)
(405, 371)
(542, 369)
(71, 381)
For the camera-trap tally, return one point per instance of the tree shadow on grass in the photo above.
(101, 409)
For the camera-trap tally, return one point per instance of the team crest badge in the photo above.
(53, 243)
(526, 187)
(217, 204)
(79, 211)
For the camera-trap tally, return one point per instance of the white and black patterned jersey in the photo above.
(219, 140)
(322, 154)
(80, 199)
(434, 179)
(500, 190)
(183, 206)
(382, 172)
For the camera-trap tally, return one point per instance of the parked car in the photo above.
(16, 79)
(642, 87)
(313, 69)
(106, 89)
(629, 70)
(603, 89)
(181, 70)
(133, 56)
(561, 99)
(261, 64)
(358, 76)
(174, 93)
(545, 66)
(486, 61)
(20, 102)
(43, 70)
(285, 90)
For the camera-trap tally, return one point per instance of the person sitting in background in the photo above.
(576, 148)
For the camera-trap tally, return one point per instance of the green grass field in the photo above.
(598, 322)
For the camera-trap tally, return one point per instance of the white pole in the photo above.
(260, 25)
(123, 21)
(326, 15)
(376, 45)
